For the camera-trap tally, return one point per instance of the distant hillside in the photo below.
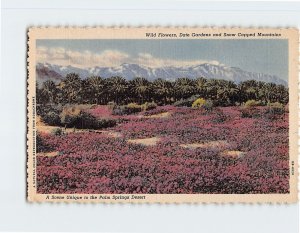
(56, 73)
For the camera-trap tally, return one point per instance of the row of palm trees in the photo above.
(97, 90)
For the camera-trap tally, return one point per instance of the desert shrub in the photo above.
(130, 108)
(252, 103)
(71, 110)
(69, 120)
(58, 116)
(133, 108)
(57, 132)
(69, 116)
(111, 104)
(186, 102)
(149, 106)
(274, 110)
(198, 103)
(51, 118)
(42, 145)
(85, 120)
(42, 110)
(245, 113)
(252, 112)
(208, 105)
(49, 114)
(119, 110)
(106, 123)
(219, 116)
(250, 109)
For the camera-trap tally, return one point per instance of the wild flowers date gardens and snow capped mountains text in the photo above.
(202, 35)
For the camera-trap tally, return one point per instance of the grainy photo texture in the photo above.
(162, 115)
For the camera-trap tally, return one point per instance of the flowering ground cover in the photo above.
(93, 162)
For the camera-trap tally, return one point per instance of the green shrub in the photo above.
(250, 109)
(208, 105)
(219, 116)
(133, 108)
(186, 102)
(69, 120)
(252, 103)
(86, 121)
(274, 110)
(250, 112)
(119, 110)
(43, 110)
(69, 116)
(111, 105)
(42, 145)
(51, 118)
(106, 123)
(149, 106)
(276, 107)
(127, 109)
(198, 103)
(57, 132)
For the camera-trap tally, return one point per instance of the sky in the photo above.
(262, 56)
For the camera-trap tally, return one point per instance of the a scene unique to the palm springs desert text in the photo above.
(195, 114)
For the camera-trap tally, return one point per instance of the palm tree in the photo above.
(117, 88)
(227, 93)
(184, 88)
(282, 94)
(95, 90)
(40, 97)
(49, 91)
(162, 90)
(200, 87)
(260, 92)
(249, 90)
(72, 88)
(270, 92)
(212, 87)
(140, 89)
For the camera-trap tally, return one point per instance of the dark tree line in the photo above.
(97, 90)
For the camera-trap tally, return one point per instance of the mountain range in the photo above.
(46, 71)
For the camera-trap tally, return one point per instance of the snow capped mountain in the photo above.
(47, 71)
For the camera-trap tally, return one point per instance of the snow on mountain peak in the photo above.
(130, 71)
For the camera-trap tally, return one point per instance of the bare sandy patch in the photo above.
(49, 154)
(219, 144)
(50, 129)
(145, 141)
(46, 128)
(39, 121)
(160, 115)
(42, 127)
(112, 134)
(233, 153)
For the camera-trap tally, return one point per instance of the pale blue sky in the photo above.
(265, 56)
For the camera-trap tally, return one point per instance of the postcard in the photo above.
(162, 115)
